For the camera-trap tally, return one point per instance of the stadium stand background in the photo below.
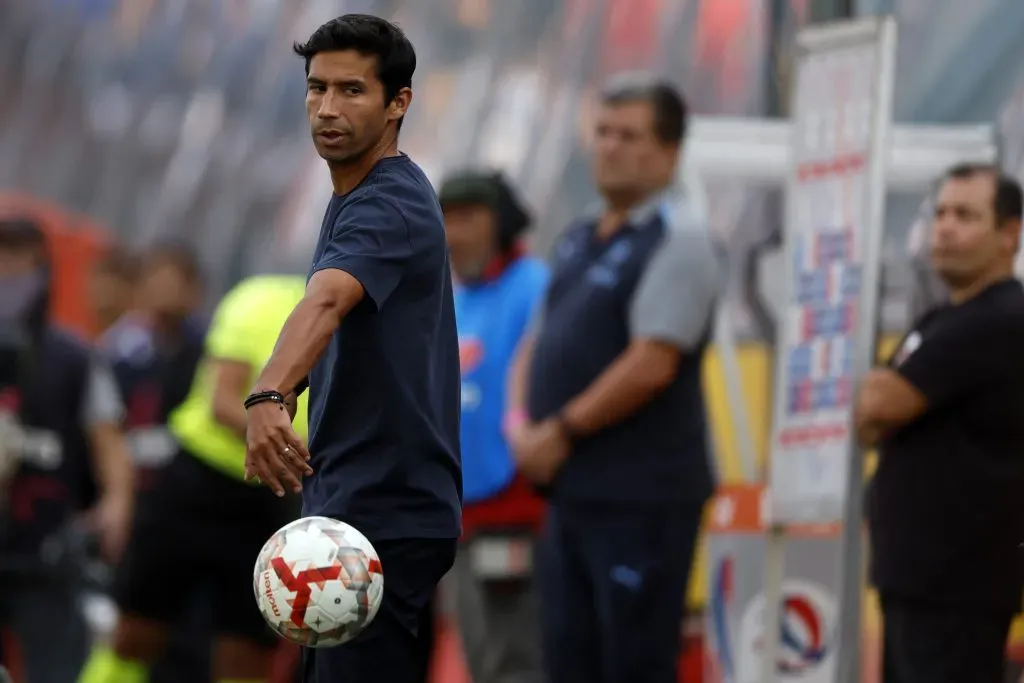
(184, 117)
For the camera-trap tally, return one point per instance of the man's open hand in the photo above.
(111, 520)
(274, 453)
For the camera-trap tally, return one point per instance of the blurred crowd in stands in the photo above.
(183, 117)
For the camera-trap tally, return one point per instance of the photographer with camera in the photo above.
(61, 453)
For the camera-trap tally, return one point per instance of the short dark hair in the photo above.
(1009, 199)
(118, 261)
(371, 36)
(179, 255)
(671, 113)
(21, 234)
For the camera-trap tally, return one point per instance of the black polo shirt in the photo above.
(69, 391)
(384, 398)
(657, 278)
(946, 506)
(153, 380)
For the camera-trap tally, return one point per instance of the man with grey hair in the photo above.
(606, 409)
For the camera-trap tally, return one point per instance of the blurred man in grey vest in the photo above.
(606, 409)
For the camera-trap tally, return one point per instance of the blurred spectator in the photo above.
(112, 286)
(62, 406)
(154, 350)
(170, 290)
(201, 502)
(499, 291)
(617, 429)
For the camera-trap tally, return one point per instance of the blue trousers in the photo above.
(612, 583)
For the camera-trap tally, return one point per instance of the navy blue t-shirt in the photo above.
(384, 398)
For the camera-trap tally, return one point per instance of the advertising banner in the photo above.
(734, 616)
(833, 227)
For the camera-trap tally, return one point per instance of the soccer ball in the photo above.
(318, 582)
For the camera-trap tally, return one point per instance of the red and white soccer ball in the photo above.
(318, 582)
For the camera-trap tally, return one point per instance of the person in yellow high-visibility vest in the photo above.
(202, 525)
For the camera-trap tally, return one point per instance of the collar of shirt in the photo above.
(128, 339)
(500, 263)
(497, 266)
(642, 212)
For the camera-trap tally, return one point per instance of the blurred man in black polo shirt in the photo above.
(154, 349)
(614, 421)
(946, 508)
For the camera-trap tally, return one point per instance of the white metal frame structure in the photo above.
(757, 151)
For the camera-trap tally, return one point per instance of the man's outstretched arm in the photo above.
(330, 295)
(274, 453)
(363, 262)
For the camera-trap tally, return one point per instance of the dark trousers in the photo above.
(395, 647)
(612, 583)
(936, 644)
(429, 635)
(44, 615)
(188, 656)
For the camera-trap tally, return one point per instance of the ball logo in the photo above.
(318, 582)
(268, 590)
(806, 635)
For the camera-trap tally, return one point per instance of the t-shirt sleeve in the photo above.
(102, 402)
(956, 359)
(675, 299)
(370, 241)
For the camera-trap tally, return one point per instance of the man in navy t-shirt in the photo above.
(375, 338)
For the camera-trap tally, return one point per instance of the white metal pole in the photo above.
(726, 346)
(834, 88)
(774, 576)
(851, 569)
